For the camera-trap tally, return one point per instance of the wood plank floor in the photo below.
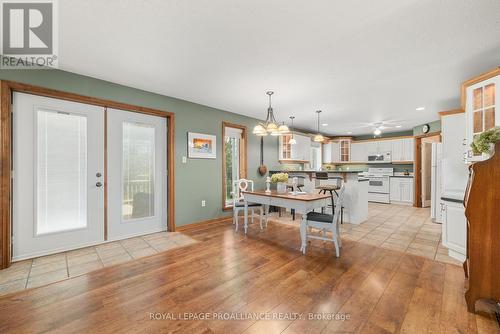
(261, 278)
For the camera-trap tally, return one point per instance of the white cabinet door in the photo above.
(454, 226)
(408, 149)
(335, 152)
(306, 148)
(397, 149)
(384, 146)
(327, 153)
(407, 190)
(395, 189)
(358, 152)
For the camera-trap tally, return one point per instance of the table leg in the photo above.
(303, 233)
(266, 208)
(246, 215)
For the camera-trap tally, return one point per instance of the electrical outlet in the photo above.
(203, 203)
(184, 160)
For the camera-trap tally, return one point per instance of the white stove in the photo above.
(379, 184)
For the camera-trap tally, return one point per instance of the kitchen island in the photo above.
(356, 190)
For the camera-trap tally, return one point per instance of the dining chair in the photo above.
(324, 223)
(239, 186)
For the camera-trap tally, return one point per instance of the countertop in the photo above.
(315, 171)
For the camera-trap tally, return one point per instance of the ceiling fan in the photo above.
(379, 127)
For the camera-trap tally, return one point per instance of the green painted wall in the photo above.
(199, 179)
(434, 127)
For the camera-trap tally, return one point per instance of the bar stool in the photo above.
(300, 184)
(330, 188)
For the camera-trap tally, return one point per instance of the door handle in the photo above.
(98, 184)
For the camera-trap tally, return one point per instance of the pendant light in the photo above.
(270, 126)
(318, 137)
(292, 140)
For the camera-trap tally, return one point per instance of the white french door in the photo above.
(136, 174)
(58, 160)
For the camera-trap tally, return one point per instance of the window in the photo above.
(234, 159)
(138, 170)
(61, 172)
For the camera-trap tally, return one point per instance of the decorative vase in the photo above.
(268, 185)
(281, 187)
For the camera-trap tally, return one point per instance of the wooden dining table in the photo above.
(301, 203)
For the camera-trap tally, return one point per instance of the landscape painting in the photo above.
(201, 146)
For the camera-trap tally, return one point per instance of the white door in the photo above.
(426, 174)
(137, 174)
(57, 185)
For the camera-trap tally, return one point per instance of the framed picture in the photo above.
(202, 146)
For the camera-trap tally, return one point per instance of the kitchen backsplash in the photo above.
(364, 167)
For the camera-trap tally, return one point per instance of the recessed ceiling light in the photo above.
(349, 132)
(420, 108)
(325, 124)
(398, 126)
(377, 132)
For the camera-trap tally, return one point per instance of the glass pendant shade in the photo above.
(292, 141)
(259, 130)
(272, 127)
(318, 138)
(283, 129)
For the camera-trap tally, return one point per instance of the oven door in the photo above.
(378, 185)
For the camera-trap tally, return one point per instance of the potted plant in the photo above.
(281, 180)
(485, 142)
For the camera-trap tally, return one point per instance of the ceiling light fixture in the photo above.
(292, 140)
(324, 124)
(318, 137)
(270, 126)
(398, 126)
(420, 108)
(377, 132)
(349, 132)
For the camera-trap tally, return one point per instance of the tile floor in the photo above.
(396, 227)
(52, 268)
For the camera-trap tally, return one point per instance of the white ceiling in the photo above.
(359, 61)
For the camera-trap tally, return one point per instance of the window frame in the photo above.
(242, 158)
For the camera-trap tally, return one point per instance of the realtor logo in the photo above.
(29, 34)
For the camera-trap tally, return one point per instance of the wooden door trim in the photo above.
(417, 190)
(484, 76)
(6, 90)
(243, 158)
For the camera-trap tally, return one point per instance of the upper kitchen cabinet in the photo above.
(359, 152)
(345, 150)
(479, 97)
(331, 152)
(402, 150)
(299, 152)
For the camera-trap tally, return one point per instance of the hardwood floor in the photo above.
(252, 277)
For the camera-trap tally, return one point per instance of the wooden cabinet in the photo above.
(299, 152)
(482, 203)
(454, 228)
(481, 111)
(401, 190)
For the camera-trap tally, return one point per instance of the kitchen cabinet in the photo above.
(358, 152)
(300, 151)
(331, 152)
(454, 228)
(345, 150)
(455, 172)
(403, 150)
(401, 190)
(481, 111)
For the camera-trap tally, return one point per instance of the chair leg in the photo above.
(293, 214)
(335, 241)
(303, 235)
(253, 214)
(337, 228)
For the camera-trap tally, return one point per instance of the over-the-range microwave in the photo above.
(379, 158)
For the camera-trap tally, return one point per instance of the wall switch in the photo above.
(184, 160)
(203, 203)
